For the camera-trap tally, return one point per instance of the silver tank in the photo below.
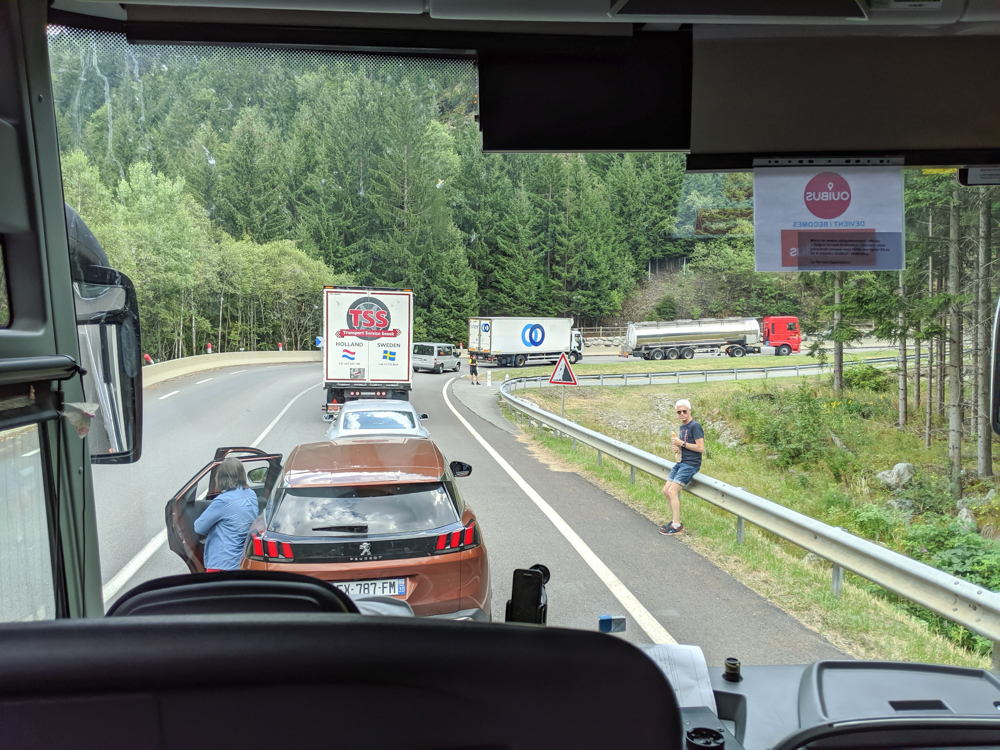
(707, 331)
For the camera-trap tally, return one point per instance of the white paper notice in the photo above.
(828, 219)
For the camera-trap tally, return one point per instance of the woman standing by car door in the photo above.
(226, 522)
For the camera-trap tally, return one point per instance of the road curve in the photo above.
(682, 593)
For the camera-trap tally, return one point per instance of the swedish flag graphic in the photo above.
(389, 355)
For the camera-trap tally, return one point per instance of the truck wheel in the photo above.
(738, 351)
(519, 360)
(784, 350)
(574, 358)
(673, 354)
(687, 353)
(657, 354)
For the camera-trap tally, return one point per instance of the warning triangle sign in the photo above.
(563, 374)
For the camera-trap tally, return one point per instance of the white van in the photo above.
(435, 357)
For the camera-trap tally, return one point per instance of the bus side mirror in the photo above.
(107, 324)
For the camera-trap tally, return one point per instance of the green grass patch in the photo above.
(775, 438)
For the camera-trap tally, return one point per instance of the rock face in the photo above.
(898, 476)
(966, 520)
(975, 502)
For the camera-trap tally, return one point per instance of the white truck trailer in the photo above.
(682, 338)
(367, 345)
(516, 342)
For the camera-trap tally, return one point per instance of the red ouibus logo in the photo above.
(827, 195)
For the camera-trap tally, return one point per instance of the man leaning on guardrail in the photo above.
(689, 445)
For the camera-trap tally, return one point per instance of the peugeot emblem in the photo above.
(366, 549)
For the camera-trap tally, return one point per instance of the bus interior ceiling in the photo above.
(725, 80)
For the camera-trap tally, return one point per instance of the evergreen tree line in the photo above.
(270, 166)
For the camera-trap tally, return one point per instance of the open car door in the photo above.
(197, 494)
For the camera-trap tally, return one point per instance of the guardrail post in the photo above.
(796, 370)
(650, 378)
(626, 378)
(765, 373)
(706, 376)
(632, 478)
(574, 443)
(602, 379)
(678, 377)
(736, 375)
(739, 530)
(995, 665)
(838, 581)
(598, 458)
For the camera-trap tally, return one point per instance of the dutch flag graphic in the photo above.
(347, 354)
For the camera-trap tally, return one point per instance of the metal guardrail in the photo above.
(971, 606)
(648, 378)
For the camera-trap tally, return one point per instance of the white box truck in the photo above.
(516, 342)
(367, 345)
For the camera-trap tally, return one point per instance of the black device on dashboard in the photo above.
(528, 601)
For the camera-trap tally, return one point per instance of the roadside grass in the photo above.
(701, 363)
(863, 622)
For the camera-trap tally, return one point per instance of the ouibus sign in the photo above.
(532, 334)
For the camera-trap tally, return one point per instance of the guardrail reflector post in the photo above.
(632, 478)
(838, 581)
(739, 530)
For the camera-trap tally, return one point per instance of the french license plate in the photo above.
(388, 587)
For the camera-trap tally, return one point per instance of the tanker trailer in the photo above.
(682, 338)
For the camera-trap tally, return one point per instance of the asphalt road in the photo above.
(604, 557)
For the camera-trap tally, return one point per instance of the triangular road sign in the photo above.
(563, 374)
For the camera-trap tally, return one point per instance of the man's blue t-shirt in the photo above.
(689, 433)
(226, 522)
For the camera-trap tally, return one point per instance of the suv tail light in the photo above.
(269, 549)
(465, 538)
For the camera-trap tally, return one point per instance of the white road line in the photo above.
(203, 381)
(30, 453)
(168, 395)
(237, 372)
(123, 576)
(263, 435)
(656, 632)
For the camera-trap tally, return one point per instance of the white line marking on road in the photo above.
(237, 372)
(123, 576)
(263, 435)
(203, 381)
(30, 453)
(656, 632)
(168, 395)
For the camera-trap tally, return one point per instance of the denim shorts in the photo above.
(682, 474)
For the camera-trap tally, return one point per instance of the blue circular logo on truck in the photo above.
(533, 335)
(486, 327)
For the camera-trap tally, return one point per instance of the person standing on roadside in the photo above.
(473, 368)
(688, 445)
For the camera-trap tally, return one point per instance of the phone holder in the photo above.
(529, 602)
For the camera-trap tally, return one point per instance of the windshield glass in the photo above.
(294, 220)
(373, 509)
(378, 420)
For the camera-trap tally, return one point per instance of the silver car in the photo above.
(435, 357)
(387, 417)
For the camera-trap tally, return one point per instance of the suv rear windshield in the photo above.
(371, 509)
(424, 350)
(377, 420)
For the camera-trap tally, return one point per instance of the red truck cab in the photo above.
(782, 332)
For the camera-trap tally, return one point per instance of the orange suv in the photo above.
(374, 516)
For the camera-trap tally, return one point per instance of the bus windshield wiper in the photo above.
(362, 529)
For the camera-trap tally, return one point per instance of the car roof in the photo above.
(364, 460)
(389, 404)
